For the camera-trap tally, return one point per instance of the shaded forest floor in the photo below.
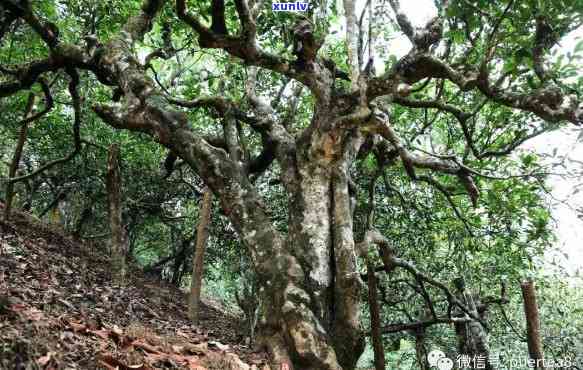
(60, 310)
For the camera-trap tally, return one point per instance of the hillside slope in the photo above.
(59, 310)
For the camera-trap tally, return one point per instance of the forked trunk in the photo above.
(311, 310)
(311, 313)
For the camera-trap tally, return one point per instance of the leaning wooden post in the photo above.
(17, 155)
(375, 317)
(198, 255)
(535, 348)
(113, 182)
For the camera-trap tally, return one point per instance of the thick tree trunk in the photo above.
(198, 255)
(535, 347)
(311, 313)
(17, 155)
(113, 182)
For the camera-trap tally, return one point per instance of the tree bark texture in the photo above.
(314, 282)
(118, 240)
(198, 255)
(535, 347)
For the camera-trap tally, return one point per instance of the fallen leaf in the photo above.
(220, 346)
(67, 304)
(146, 347)
(33, 314)
(67, 336)
(196, 349)
(17, 307)
(107, 366)
(42, 361)
(77, 327)
(103, 333)
(110, 363)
